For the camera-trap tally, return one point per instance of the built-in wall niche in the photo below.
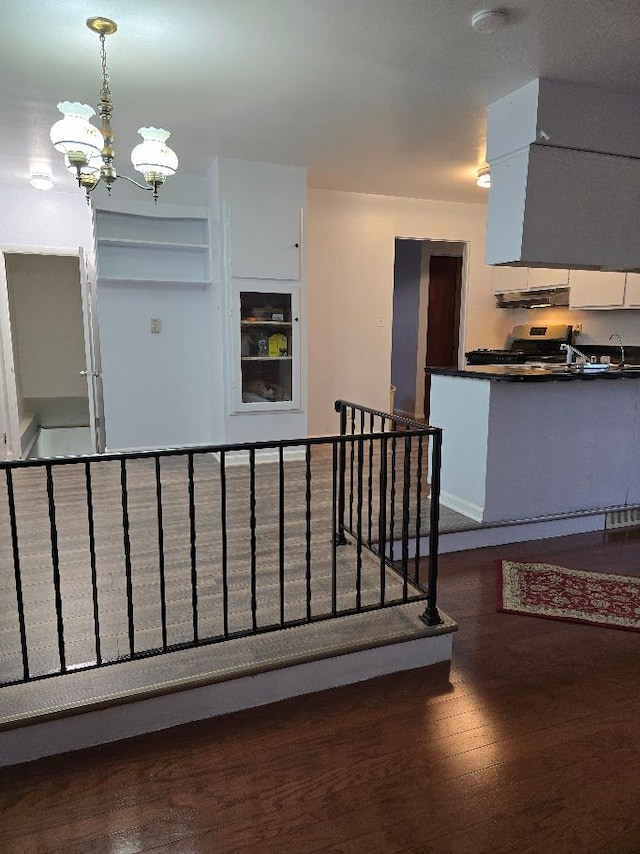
(266, 373)
(134, 247)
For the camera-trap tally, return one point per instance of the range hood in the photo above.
(533, 299)
(565, 178)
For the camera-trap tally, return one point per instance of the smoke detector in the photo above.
(489, 20)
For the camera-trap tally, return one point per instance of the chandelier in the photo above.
(88, 151)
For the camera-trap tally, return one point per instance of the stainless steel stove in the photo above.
(534, 343)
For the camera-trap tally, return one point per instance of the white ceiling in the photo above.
(374, 96)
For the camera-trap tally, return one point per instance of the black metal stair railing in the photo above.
(119, 556)
(406, 441)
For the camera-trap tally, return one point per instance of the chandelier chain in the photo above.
(106, 92)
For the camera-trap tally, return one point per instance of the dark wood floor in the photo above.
(530, 744)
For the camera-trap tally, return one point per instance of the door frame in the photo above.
(8, 389)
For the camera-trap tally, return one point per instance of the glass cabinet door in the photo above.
(267, 345)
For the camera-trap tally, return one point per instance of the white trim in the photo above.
(164, 211)
(39, 250)
(466, 508)
(478, 538)
(158, 713)
(8, 387)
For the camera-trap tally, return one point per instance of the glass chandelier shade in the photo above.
(74, 133)
(152, 156)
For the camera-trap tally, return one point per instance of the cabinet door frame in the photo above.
(236, 404)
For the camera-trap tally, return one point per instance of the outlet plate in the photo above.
(155, 325)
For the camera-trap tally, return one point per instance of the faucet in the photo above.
(570, 350)
(611, 337)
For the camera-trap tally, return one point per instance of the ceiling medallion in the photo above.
(88, 150)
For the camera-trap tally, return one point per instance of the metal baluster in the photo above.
(252, 528)
(382, 523)
(359, 526)
(225, 568)
(339, 537)
(17, 575)
(127, 554)
(334, 500)
(431, 616)
(161, 565)
(351, 461)
(370, 486)
(418, 507)
(281, 531)
(55, 560)
(308, 529)
(92, 558)
(394, 427)
(405, 516)
(192, 548)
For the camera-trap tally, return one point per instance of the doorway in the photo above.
(427, 299)
(443, 317)
(48, 379)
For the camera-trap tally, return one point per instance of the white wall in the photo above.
(30, 218)
(597, 326)
(350, 257)
(48, 335)
(164, 376)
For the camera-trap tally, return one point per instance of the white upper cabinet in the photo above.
(546, 277)
(595, 289)
(263, 208)
(632, 291)
(506, 279)
(509, 279)
(265, 239)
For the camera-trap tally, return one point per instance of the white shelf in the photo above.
(121, 241)
(265, 323)
(266, 358)
(119, 280)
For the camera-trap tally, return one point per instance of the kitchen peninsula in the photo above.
(524, 443)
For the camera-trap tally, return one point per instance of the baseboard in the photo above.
(158, 713)
(498, 535)
(465, 508)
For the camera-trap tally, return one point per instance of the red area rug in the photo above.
(545, 590)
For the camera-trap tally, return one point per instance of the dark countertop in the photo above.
(524, 373)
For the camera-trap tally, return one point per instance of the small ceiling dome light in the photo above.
(484, 177)
(490, 20)
(40, 181)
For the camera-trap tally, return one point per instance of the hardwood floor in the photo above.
(530, 744)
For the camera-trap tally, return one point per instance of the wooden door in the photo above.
(443, 316)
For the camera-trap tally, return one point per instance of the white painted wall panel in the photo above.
(163, 378)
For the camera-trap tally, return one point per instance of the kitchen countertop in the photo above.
(534, 374)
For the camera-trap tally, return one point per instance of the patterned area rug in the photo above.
(544, 590)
